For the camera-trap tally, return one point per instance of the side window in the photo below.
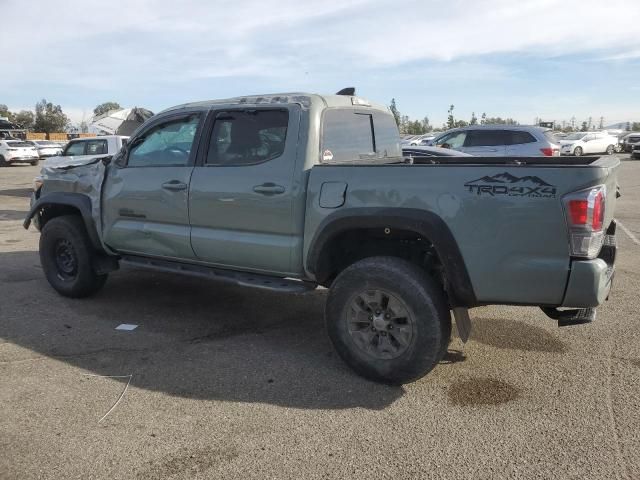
(96, 147)
(74, 148)
(247, 137)
(519, 137)
(347, 135)
(486, 138)
(167, 144)
(453, 140)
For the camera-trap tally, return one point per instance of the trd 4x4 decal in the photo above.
(512, 186)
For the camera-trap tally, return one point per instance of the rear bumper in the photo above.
(590, 281)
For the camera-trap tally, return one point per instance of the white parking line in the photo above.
(629, 233)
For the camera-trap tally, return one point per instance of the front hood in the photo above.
(568, 142)
(70, 162)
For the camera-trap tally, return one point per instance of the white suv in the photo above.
(500, 141)
(17, 151)
(581, 143)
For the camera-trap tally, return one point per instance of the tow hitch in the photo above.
(574, 316)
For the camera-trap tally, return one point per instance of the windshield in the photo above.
(575, 136)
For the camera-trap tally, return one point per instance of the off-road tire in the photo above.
(424, 300)
(578, 151)
(66, 256)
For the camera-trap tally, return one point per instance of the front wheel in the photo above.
(66, 257)
(388, 320)
(3, 162)
(610, 150)
(35, 163)
(578, 151)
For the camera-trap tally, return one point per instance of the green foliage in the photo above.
(451, 121)
(108, 106)
(49, 117)
(25, 118)
(584, 127)
(395, 112)
(635, 126)
(474, 119)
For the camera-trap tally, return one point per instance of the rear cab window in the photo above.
(356, 135)
(247, 137)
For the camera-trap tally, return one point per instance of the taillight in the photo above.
(585, 217)
(547, 152)
(598, 211)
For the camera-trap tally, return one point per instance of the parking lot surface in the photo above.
(225, 382)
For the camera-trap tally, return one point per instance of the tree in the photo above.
(601, 123)
(474, 119)
(426, 126)
(108, 106)
(4, 112)
(49, 117)
(499, 121)
(635, 126)
(584, 127)
(451, 121)
(483, 119)
(25, 118)
(392, 107)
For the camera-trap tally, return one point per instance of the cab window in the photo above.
(247, 137)
(74, 148)
(166, 144)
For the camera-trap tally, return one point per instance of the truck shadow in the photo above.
(194, 339)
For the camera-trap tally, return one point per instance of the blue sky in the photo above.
(552, 59)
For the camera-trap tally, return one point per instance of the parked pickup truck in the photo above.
(291, 191)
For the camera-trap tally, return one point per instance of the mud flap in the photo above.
(463, 322)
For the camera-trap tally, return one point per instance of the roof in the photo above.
(301, 98)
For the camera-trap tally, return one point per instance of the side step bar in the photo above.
(574, 316)
(245, 279)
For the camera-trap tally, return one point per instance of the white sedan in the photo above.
(582, 143)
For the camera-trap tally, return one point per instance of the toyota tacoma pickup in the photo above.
(293, 191)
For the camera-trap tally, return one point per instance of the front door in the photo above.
(242, 190)
(145, 206)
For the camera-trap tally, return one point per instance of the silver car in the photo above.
(500, 141)
(46, 148)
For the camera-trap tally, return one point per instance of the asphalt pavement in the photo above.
(225, 382)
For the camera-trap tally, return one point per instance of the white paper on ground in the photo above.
(126, 326)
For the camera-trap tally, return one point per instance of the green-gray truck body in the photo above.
(291, 191)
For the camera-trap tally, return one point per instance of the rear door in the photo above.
(145, 196)
(521, 143)
(242, 190)
(486, 143)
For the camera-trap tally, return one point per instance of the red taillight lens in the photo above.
(598, 211)
(547, 152)
(578, 210)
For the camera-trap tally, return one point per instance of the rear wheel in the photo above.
(388, 320)
(35, 162)
(578, 151)
(66, 257)
(3, 162)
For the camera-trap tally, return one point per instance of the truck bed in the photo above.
(505, 213)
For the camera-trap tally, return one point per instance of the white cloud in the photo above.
(109, 49)
(104, 43)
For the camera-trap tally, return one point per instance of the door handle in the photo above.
(174, 185)
(269, 189)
